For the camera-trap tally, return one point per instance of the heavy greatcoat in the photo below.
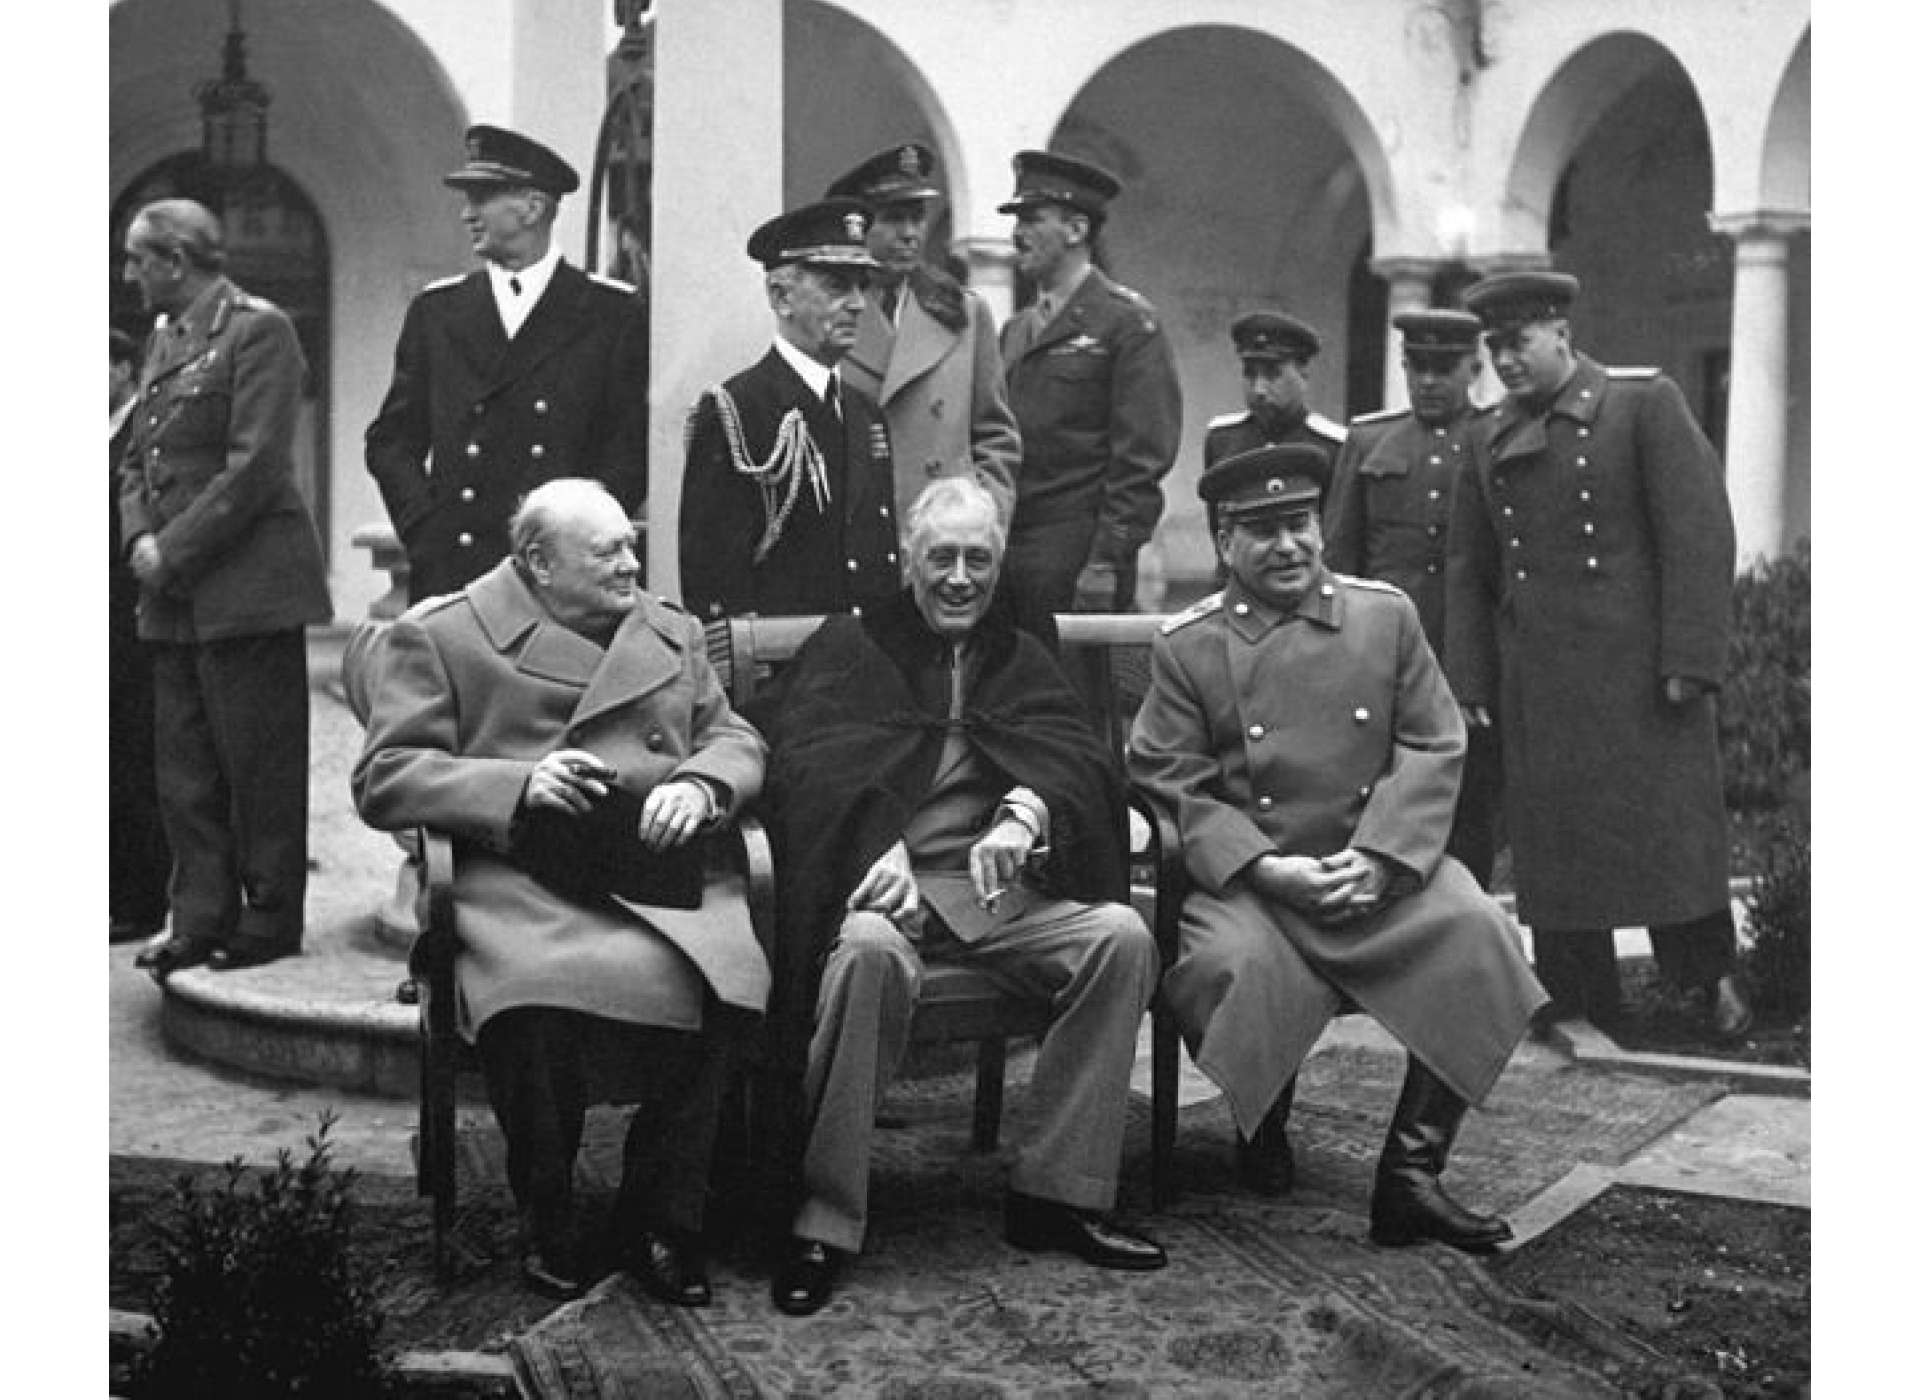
(938, 380)
(469, 692)
(473, 420)
(840, 554)
(1592, 554)
(1304, 736)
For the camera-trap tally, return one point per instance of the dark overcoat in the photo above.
(1098, 403)
(1592, 554)
(473, 420)
(468, 692)
(1306, 735)
(833, 549)
(209, 474)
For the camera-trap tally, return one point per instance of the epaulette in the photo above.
(1326, 427)
(1379, 415)
(1204, 608)
(625, 288)
(247, 301)
(434, 603)
(1148, 315)
(1632, 372)
(1376, 585)
(440, 284)
(1228, 420)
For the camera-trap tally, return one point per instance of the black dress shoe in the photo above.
(1264, 1163)
(1034, 1223)
(672, 1270)
(1413, 1209)
(174, 954)
(236, 956)
(803, 1283)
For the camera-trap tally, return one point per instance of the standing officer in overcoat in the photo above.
(927, 351)
(1298, 725)
(1387, 518)
(216, 531)
(1093, 387)
(1590, 583)
(786, 507)
(524, 370)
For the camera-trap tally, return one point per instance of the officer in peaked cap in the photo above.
(522, 371)
(1591, 569)
(1275, 350)
(1389, 512)
(1093, 387)
(1265, 481)
(786, 501)
(928, 351)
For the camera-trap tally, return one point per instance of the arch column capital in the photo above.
(1754, 224)
(990, 271)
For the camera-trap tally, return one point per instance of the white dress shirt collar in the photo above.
(514, 306)
(809, 369)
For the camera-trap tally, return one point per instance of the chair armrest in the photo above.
(1166, 858)
(757, 852)
(430, 959)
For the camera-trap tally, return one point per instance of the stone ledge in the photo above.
(1588, 1045)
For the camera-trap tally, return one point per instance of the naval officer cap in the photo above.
(1273, 335)
(1438, 334)
(896, 175)
(1266, 480)
(832, 233)
(496, 156)
(1512, 299)
(1042, 177)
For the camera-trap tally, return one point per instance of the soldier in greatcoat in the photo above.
(1387, 518)
(522, 371)
(786, 507)
(1298, 725)
(1590, 583)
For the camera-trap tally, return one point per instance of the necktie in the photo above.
(514, 284)
(890, 302)
(832, 397)
(1043, 310)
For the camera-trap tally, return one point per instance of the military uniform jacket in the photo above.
(832, 549)
(938, 381)
(473, 420)
(468, 692)
(1233, 433)
(209, 474)
(1592, 554)
(1098, 403)
(1390, 502)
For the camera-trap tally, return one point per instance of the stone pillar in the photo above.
(990, 272)
(1409, 288)
(1758, 395)
(717, 176)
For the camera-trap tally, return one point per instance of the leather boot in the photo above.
(1409, 1204)
(1264, 1163)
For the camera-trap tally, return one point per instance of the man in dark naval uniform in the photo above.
(1387, 514)
(786, 507)
(1092, 382)
(1589, 598)
(524, 370)
(1276, 351)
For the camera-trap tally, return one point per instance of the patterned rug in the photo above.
(1261, 1299)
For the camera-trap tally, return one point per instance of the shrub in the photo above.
(1779, 964)
(258, 1297)
(1766, 725)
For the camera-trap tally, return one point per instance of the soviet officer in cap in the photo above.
(927, 350)
(786, 507)
(1298, 725)
(1388, 511)
(1093, 387)
(1276, 352)
(522, 371)
(1589, 599)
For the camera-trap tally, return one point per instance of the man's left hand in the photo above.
(1362, 882)
(997, 858)
(673, 814)
(144, 559)
(1682, 690)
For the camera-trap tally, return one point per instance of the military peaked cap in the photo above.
(832, 232)
(496, 156)
(896, 175)
(1279, 476)
(1516, 298)
(1272, 335)
(1042, 177)
(1437, 332)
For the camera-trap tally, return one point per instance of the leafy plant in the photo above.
(1766, 723)
(1779, 964)
(258, 1296)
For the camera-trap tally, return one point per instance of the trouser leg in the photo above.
(1475, 838)
(195, 802)
(1580, 970)
(1698, 952)
(862, 1018)
(138, 860)
(668, 1157)
(533, 1083)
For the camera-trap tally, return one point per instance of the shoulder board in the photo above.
(440, 284)
(247, 301)
(664, 601)
(1205, 607)
(1228, 420)
(438, 602)
(1372, 585)
(613, 283)
(1379, 415)
(1632, 372)
(1129, 294)
(1326, 427)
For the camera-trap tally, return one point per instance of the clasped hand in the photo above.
(572, 780)
(1333, 890)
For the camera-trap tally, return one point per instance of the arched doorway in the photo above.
(276, 249)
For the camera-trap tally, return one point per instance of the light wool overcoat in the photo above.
(469, 691)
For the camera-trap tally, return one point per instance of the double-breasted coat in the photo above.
(938, 380)
(474, 420)
(209, 473)
(468, 692)
(834, 543)
(1306, 735)
(1592, 554)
